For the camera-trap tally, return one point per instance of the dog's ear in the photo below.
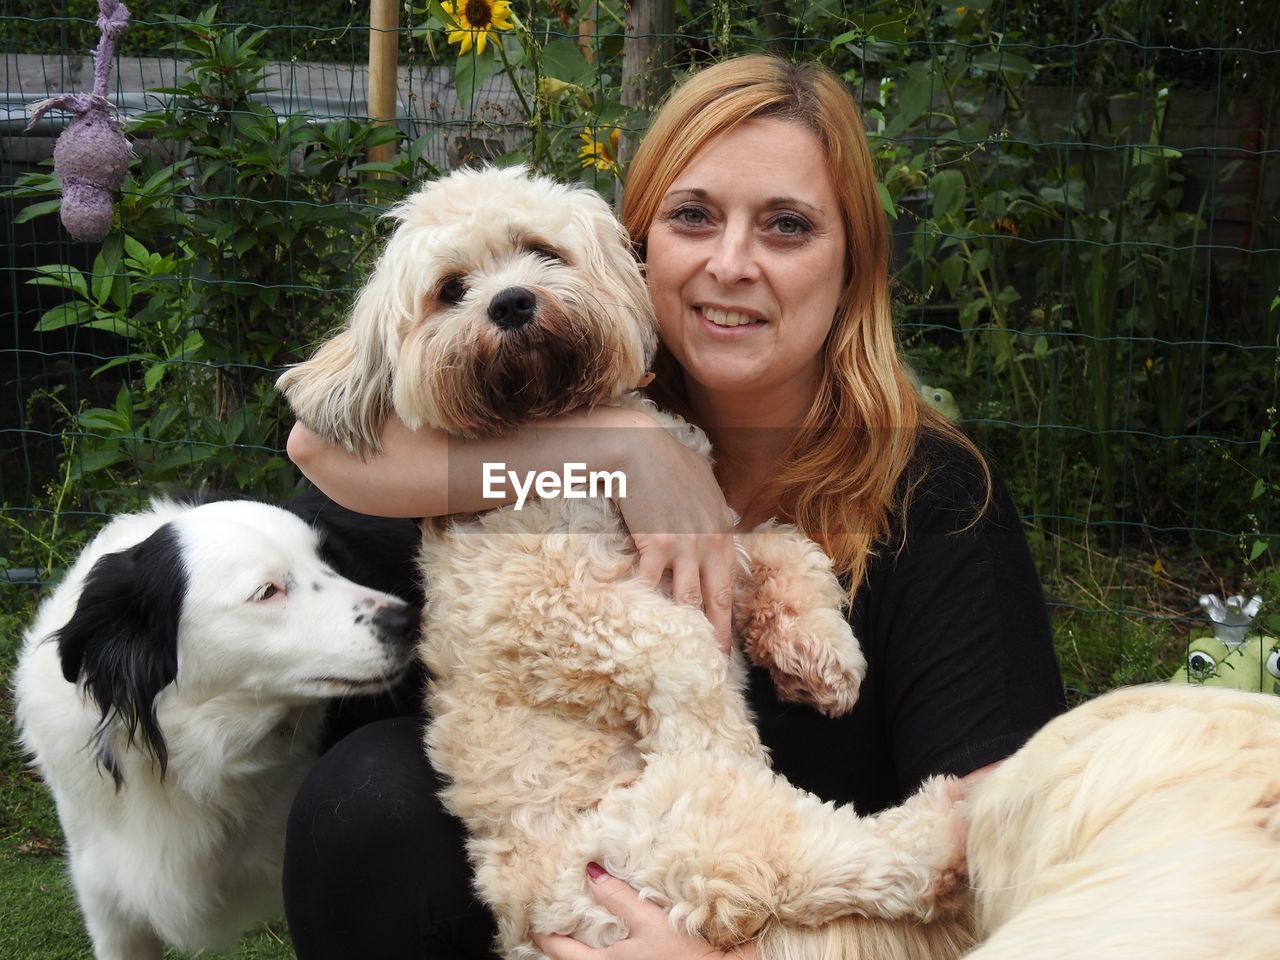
(343, 393)
(121, 643)
(613, 256)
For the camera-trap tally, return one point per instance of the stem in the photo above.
(510, 72)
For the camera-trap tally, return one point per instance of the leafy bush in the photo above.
(240, 232)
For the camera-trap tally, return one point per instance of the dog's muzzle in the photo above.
(513, 308)
(397, 624)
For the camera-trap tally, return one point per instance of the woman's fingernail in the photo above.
(595, 871)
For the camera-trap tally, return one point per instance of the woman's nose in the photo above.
(733, 258)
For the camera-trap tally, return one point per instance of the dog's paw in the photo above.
(935, 822)
(719, 911)
(812, 657)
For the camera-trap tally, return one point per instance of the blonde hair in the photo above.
(841, 479)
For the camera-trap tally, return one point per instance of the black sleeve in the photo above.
(955, 618)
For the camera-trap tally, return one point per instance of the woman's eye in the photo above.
(791, 226)
(453, 290)
(690, 216)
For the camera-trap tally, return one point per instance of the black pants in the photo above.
(374, 866)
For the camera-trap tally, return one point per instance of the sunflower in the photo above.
(476, 20)
(603, 154)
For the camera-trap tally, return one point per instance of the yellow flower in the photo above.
(476, 20)
(603, 154)
(1005, 225)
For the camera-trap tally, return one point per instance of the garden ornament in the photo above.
(941, 400)
(1232, 656)
(91, 155)
(1232, 619)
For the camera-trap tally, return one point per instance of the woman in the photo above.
(754, 206)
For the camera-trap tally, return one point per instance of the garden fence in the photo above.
(1085, 199)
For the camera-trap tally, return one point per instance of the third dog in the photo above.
(172, 691)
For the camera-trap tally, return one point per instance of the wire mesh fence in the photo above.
(1086, 210)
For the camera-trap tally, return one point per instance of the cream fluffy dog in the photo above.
(1143, 825)
(577, 713)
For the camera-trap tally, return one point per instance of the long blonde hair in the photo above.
(844, 474)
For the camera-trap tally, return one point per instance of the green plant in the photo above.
(240, 234)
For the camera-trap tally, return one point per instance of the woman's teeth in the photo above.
(725, 318)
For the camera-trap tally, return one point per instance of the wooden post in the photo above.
(384, 21)
(646, 58)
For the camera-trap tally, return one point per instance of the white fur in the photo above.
(1145, 823)
(578, 713)
(191, 858)
(1142, 825)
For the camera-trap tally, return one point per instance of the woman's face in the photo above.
(746, 263)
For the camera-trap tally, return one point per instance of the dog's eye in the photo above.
(544, 252)
(267, 591)
(453, 290)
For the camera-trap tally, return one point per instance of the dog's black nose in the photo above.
(397, 623)
(513, 307)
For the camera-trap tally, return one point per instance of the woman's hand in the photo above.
(678, 518)
(652, 936)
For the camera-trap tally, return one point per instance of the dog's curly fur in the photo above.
(577, 713)
(172, 690)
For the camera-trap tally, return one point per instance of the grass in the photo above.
(1118, 620)
(39, 919)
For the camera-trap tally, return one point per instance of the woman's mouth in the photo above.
(728, 318)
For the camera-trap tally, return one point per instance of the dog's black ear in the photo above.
(122, 641)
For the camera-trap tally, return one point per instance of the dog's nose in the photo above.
(513, 307)
(397, 623)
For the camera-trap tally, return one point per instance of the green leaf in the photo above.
(563, 60)
(1259, 548)
(33, 210)
(92, 461)
(135, 249)
(1005, 63)
(1264, 441)
(103, 420)
(914, 97)
(1040, 348)
(155, 373)
(61, 275)
(1259, 488)
(952, 271)
(886, 201)
(947, 187)
(471, 73)
(64, 315)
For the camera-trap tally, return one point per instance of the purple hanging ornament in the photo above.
(91, 155)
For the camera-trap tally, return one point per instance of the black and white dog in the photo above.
(173, 692)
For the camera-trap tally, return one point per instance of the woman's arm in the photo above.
(673, 506)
